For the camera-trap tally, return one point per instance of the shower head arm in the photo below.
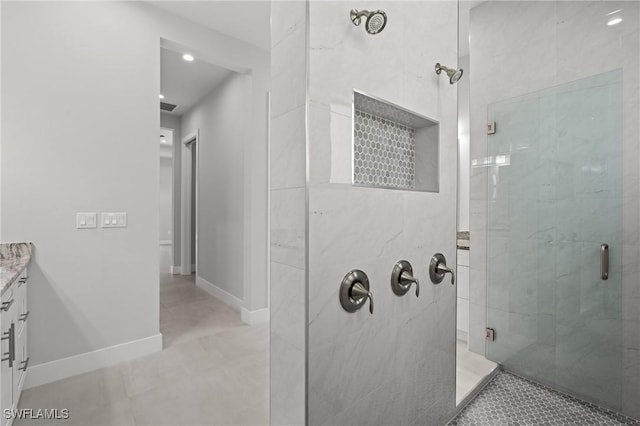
(356, 15)
(440, 68)
(453, 74)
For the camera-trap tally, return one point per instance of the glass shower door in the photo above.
(555, 205)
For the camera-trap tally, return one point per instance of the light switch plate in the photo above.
(114, 220)
(86, 220)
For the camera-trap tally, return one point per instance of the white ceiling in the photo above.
(184, 83)
(249, 21)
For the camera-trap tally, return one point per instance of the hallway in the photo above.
(213, 370)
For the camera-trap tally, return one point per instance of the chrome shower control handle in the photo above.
(402, 278)
(359, 292)
(354, 291)
(407, 279)
(443, 269)
(438, 268)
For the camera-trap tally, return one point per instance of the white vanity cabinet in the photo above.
(15, 361)
(21, 362)
(6, 366)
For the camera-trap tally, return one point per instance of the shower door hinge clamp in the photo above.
(490, 334)
(491, 128)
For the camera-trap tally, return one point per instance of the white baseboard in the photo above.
(219, 293)
(166, 242)
(177, 270)
(254, 317)
(66, 367)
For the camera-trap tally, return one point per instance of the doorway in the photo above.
(165, 203)
(189, 206)
(199, 303)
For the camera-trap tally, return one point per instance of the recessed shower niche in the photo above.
(393, 147)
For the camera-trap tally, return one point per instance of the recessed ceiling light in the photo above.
(614, 21)
(187, 57)
(161, 96)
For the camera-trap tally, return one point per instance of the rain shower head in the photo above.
(453, 74)
(376, 20)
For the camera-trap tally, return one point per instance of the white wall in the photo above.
(1, 95)
(464, 166)
(165, 203)
(462, 290)
(221, 117)
(464, 161)
(169, 121)
(86, 292)
(71, 70)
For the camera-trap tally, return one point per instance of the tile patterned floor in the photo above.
(511, 400)
(214, 370)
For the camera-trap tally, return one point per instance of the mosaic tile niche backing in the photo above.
(384, 152)
(393, 147)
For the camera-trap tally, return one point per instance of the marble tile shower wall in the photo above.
(288, 193)
(522, 47)
(397, 365)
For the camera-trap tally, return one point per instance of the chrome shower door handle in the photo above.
(604, 261)
(354, 291)
(438, 268)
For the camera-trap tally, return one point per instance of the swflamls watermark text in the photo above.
(37, 413)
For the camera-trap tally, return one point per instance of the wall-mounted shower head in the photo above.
(453, 74)
(376, 20)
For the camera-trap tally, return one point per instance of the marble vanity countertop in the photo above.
(463, 240)
(14, 258)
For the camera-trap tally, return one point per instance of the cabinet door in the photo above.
(19, 305)
(21, 362)
(6, 372)
(20, 365)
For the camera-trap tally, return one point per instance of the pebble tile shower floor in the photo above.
(511, 400)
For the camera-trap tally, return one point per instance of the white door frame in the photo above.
(189, 148)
